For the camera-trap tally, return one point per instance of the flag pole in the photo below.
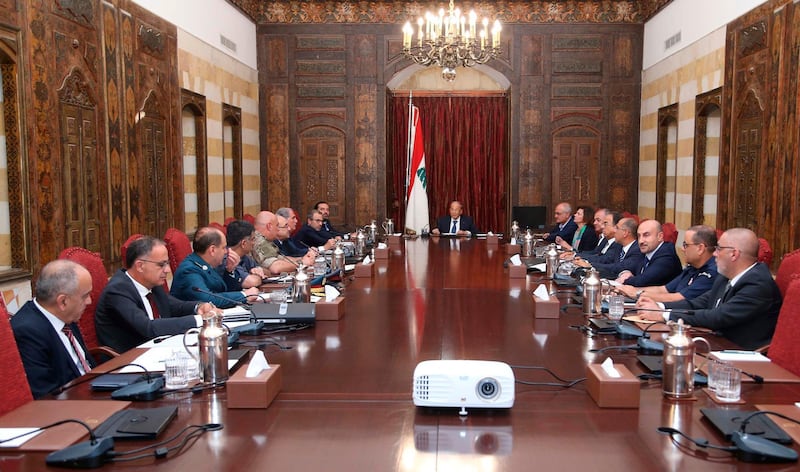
(409, 147)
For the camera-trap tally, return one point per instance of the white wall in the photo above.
(207, 20)
(694, 19)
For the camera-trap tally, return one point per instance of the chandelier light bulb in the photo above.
(450, 40)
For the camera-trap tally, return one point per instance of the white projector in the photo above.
(463, 384)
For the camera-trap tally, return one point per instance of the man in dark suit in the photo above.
(697, 277)
(565, 225)
(134, 307)
(660, 263)
(327, 229)
(624, 254)
(456, 223)
(311, 234)
(742, 305)
(46, 330)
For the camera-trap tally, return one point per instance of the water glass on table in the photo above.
(176, 370)
(725, 381)
(616, 306)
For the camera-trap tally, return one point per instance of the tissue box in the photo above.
(381, 253)
(517, 271)
(255, 392)
(492, 240)
(611, 392)
(546, 308)
(363, 270)
(394, 240)
(329, 311)
(512, 249)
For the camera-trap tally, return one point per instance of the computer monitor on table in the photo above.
(533, 217)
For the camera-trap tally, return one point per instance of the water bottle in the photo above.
(337, 261)
(301, 292)
(361, 243)
(678, 362)
(551, 261)
(212, 340)
(592, 293)
(527, 244)
(514, 233)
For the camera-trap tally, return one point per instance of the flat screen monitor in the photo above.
(533, 217)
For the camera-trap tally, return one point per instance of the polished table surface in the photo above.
(345, 402)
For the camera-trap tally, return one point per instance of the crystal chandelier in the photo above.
(451, 41)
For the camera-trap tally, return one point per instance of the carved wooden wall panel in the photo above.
(18, 214)
(89, 65)
(590, 71)
(759, 143)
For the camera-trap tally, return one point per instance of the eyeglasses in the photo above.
(160, 264)
(317, 221)
(685, 244)
(283, 226)
(720, 248)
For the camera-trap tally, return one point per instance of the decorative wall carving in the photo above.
(151, 40)
(397, 12)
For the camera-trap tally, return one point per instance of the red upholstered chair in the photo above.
(16, 391)
(123, 250)
(94, 264)
(764, 251)
(249, 218)
(784, 349)
(788, 269)
(178, 247)
(219, 227)
(719, 233)
(229, 219)
(670, 232)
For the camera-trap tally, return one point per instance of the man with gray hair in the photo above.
(565, 225)
(46, 330)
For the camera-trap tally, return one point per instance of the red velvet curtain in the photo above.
(466, 155)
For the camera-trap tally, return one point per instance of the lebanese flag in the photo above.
(417, 216)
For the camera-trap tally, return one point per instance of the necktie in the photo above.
(724, 293)
(644, 266)
(621, 255)
(77, 348)
(156, 314)
(454, 229)
(608, 245)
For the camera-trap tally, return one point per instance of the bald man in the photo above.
(266, 253)
(743, 303)
(52, 357)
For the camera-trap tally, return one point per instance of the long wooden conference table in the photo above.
(345, 402)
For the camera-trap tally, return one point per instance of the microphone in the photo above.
(84, 455)
(245, 303)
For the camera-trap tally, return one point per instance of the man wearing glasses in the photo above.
(743, 303)
(311, 235)
(699, 243)
(565, 226)
(134, 307)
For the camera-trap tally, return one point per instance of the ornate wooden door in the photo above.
(322, 171)
(576, 152)
(82, 222)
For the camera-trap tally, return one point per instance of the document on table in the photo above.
(6, 433)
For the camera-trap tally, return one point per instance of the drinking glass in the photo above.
(176, 372)
(727, 382)
(616, 307)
